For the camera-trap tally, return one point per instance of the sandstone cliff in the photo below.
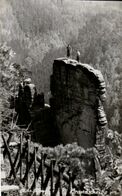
(78, 92)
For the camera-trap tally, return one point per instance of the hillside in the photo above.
(38, 32)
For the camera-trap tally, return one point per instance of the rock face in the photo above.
(78, 91)
(42, 126)
(24, 101)
(34, 114)
(76, 112)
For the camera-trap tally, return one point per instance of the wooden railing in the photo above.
(38, 172)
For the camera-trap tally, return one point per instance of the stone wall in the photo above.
(78, 92)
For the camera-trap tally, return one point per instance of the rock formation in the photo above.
(78, 92)
(34, 114)
(76, 112)
(24, 101)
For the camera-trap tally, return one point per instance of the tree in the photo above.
(11, 74)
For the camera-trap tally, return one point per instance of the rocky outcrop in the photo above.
(78, 92)
(34, 115)
(76, 112)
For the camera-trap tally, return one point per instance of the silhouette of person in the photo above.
(69, 51)
(78, 56)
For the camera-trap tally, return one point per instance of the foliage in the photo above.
(11, 74)
(40, 30)
(99, 44)
(77, 159)
(110, 180)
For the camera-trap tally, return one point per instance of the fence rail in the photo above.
(34, 171)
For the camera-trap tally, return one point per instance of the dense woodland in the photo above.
(35, 32)
(39, 31)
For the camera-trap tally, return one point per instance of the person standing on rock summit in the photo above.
(78, 56)
(69, 51)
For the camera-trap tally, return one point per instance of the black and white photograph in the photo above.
(60, 98)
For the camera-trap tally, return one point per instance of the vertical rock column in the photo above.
(74, 102)
(78, 92)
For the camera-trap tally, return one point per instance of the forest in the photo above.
(35, 32)
(39, 31)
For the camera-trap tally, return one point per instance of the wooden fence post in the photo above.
(23, 154)
(60, 180)
(9, 156)
(21, 137)
(29, 166)
(69, 192)
(52, 175)
(58, 184)
(39, 172)
(42, 171)
(51, 186)
(8, 141)
(42, 174)
(28, 158)
(15, 161)
(35, 176)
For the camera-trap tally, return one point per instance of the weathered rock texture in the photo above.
(78, 91)
(42, 128)
(76, 113)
